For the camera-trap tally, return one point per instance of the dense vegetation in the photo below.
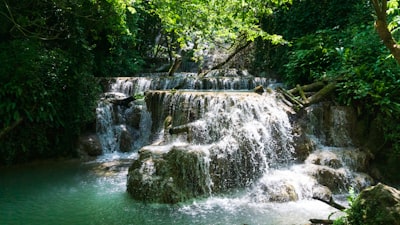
(51, 52)
(343, 46)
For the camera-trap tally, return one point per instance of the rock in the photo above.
(325, 158)
(362, 180)
(125, 144)
(171, 174)
(303, 146)
(280, 192)
(90, 144)
(322, 192)
(133, 116)
(259, 89)
(377, 205)
(168, 176)
(111, 168)
(334, 179)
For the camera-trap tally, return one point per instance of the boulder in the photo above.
(172, 174)
(325, 158)
(322, 192)
(259, 89)
(280, 192)
(125, 144)
(303, 145)
(168, 175)
(133, 116)
(377, 205)
(89, 144)
(334, 179)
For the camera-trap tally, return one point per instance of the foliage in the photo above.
(302, 22)
(217, 22)
(311, 57)
(351, 198)
(370, 81)
(368, 75)
(50, 51)
(49, 103)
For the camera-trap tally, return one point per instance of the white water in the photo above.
(188, 81)
(122, 128)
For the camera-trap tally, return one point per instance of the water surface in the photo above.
(84, 193)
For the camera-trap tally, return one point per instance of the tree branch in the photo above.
(218, 66)
(382, 28)
(11, 127)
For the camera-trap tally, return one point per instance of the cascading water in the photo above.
(202, 143)
(122, 126)
(225, 80)
(233, 137)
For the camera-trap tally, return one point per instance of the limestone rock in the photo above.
(334, 179)
(170, 176)
(125, 144)
(322, 192)
(259, 89)
(90, 144)
(303, 146)
(377, 205)
(280, 192)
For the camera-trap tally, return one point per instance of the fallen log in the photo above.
(309, 87)
(321, 94)
(124, 102)
(332, 203)
(228, 59)
(290, 97)
(302, 95)
(318, 221)
(239, 49)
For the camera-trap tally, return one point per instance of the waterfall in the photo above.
(233, 138)
(189, 81)
(203, 136)
(122, 127)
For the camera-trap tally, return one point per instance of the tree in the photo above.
(201, 23)
(50, 52)
(382, 9)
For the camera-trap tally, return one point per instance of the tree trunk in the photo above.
(309, 87)
(11, 127)
(290, 97)
(382, 28)
(318, 221)
(332, 203)
(175, 66)
(324, 92)
(220, 65)
(321, 94)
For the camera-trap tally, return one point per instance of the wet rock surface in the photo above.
(168, 177)
(377, 205)
(89, 144)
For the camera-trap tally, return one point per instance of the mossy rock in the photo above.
(377, 205)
